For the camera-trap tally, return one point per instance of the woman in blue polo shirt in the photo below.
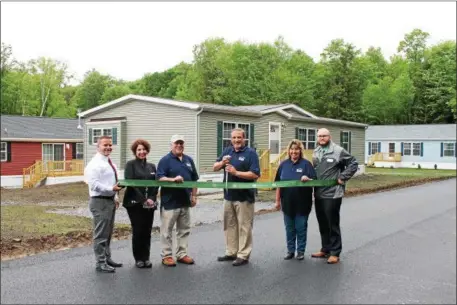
(295, 202)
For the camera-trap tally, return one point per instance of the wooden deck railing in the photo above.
(40, 170)
(386, 157)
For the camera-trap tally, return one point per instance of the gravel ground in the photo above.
(208, 210)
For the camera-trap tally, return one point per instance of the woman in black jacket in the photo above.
(140, 202)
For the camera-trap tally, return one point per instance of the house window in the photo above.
(227, 133)
(345, 140)
(416, 149)
(79, 151)
(391, 148)
(407, 149)
(3, 152)
(374, 148)
(308, 137)
(98, 132)
(411, 149)
(448, 150)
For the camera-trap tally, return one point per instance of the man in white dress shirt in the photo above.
(101, 176)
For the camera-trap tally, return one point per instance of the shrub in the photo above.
(418, 166)
(436, 166)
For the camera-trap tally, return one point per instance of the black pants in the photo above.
(328, 217)
(141, 220)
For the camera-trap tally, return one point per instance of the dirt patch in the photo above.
(16, 248)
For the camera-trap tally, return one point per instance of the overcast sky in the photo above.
(127, 40)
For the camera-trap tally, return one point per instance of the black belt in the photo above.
(103, 197)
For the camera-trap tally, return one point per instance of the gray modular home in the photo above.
(206, 128)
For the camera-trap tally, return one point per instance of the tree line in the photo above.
(417, 85)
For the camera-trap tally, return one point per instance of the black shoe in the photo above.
(105, 268)
(300, 256)
(240, 262)
(147, 264)
(111, 263)
(289, 255)
(226, 258)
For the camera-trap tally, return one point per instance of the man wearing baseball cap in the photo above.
(176, 202)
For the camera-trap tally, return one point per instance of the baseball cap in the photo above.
(177, 137)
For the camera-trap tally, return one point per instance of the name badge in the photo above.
(299, 170)
(241, 158)
(330, 160)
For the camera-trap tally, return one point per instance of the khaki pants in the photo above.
(168, 218)
(238, 224)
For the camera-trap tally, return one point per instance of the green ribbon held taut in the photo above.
(226, 185)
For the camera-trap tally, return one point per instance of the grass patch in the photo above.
(378, 179)
(28, 230)
(23, 222)
(412, 172)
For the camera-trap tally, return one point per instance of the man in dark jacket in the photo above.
(331, 162)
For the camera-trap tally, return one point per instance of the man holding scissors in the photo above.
(241, 164)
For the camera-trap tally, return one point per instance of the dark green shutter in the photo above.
(251, 135)
(442, 149)
(422, 149)
(8, 151)
(114, 135)
(402, 148)
(379, 146)
(90, 136)
(369, 148)
(73, 151)
(455, 150)
(350, 141)
(297, 132)
(219, 138)
(341, 138)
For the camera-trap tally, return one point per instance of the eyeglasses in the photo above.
(323, 136)
(179, 143)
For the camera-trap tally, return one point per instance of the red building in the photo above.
(26, 140)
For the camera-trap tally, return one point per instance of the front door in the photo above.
(54, 152)
(275, 140)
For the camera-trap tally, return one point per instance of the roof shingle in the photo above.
(29, 127)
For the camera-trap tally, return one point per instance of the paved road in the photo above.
(399, 247)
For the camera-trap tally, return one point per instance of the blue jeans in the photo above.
(296, 232)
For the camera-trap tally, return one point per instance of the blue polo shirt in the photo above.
(296, 200)
(244, 160)
(170, 166)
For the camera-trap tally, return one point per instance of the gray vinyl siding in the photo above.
(262, 130)
(294, 112)
(91, 149)
(288, 133)
(208, 136)
(153, 122)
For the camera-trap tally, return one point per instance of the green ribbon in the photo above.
(227, 185)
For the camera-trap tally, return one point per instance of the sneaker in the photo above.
(147, 264)
(300, 256)
(168, 261)
(186, 260)
(289, 255)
